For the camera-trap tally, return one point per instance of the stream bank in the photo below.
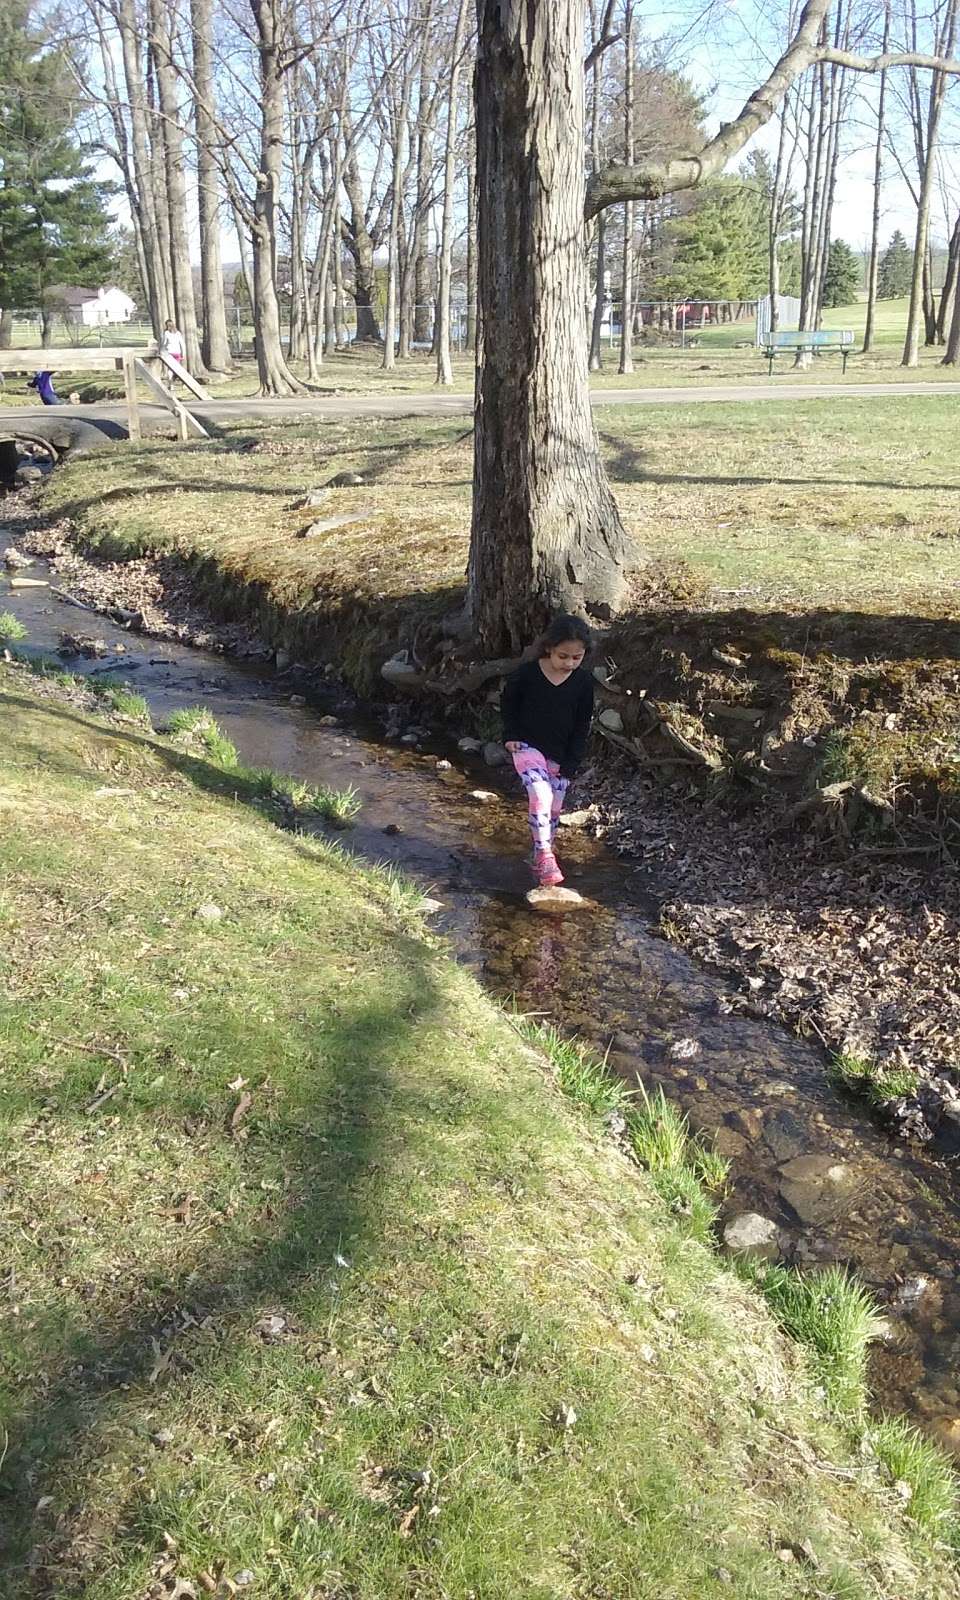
(803, 1156)
(787, 779)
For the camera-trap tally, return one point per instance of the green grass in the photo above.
(926, 1471)
(119, 697)
(835, 1317)
(196, 728)
(312, 1272)
(848, 504)
(876, 1083)
(583, 1076)
(682, 1169)
(12, 630)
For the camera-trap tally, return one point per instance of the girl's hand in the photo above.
(513, 745)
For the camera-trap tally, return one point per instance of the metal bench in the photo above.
(817, 341)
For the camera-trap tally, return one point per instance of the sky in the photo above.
(730, 52)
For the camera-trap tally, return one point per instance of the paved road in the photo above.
(459, 405)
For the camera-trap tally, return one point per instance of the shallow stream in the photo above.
(891, 1211)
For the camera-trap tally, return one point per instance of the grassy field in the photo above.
(851, 505)
(316, 1285)
(712, 357)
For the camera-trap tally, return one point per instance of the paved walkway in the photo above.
(461, 405)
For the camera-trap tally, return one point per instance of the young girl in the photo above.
(546, 707)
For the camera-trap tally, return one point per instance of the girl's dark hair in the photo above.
(562, 630)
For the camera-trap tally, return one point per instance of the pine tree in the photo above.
(844, 275)
(720, 249)
(53, 225)
(896, 269)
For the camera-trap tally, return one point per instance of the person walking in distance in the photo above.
(172, 342)
(546, 708)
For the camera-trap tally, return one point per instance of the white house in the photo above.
(98, 308)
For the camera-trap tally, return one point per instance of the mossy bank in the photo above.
(316, 1284)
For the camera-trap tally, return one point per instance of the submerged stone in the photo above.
(552, 901)
(752, 1236)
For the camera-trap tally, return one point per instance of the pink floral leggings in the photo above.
(546, 792)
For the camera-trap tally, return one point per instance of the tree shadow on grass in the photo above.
(331, 1115)
(151, 463)
(627, 465)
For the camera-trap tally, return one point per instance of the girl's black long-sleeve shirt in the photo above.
(552, 717)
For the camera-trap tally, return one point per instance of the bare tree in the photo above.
(927, 132)
(400, 84)
(626, 280)
(170, 124)
(444, 366)
(272, 37)
(215, 348)
(873, 269)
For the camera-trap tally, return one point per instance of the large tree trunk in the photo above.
(275, 376)
(874, 267)
(546, 531)
(215, 347)
(444, 364)
(6, 329)
(181, 269)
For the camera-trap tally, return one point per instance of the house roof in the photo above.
(69, 295)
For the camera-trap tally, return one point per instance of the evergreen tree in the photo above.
(895, 269)
(53, 226)
(844, 275)
(720, 246)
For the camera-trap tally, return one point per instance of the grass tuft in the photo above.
(582, 1075)
(336, 805)
(875, 1083)
(681, 1168)
(198, 729)
(835, 1317)
(12, 630)
(911, 1459)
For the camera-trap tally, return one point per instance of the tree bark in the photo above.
(600, 272)
(472, 246)
(626, 281)
(400, 111)
(275, 376)
(339, 301)
(6, 329)
(874, 268)
(133, 73)
(949, 291)
(938, 84)
(444, 363)
(546, 531)
(215, 346)
(181, 269)
(359, 242)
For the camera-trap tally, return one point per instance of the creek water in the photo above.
(801, 1154)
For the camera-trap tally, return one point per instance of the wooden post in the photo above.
(133, 399)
